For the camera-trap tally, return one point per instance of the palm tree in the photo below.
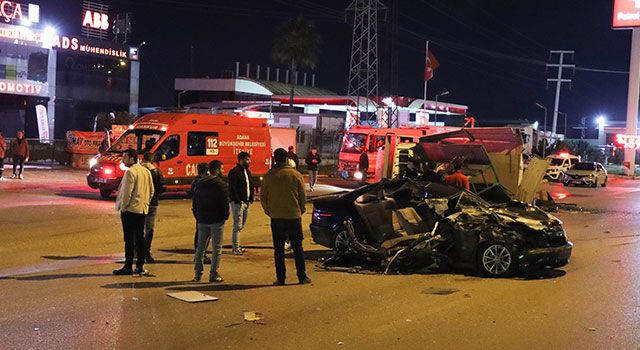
(297, 47)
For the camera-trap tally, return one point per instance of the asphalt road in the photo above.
(60, 243)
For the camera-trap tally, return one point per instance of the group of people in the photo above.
(283, 199)
(415, 170)
(19, 154)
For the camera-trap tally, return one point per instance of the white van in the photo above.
(560, 163)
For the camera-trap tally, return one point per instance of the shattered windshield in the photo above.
(140, 140)
(354, 143)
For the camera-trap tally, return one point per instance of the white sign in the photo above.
(43, 123)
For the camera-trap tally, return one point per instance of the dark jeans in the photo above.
(133, 228)
(282, 230)
(149, 225)
(18, 161)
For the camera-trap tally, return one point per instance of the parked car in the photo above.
(586, 173)
(560, 163)
(410, 225)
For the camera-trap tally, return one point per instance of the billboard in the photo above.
(626, 14)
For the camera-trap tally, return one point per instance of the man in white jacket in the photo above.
(134, 195)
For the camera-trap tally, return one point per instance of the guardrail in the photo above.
(51, 152)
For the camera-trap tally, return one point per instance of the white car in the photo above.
(560, 163)
(586, 173)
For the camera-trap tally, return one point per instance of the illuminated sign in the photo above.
(628, 141)
(12, 87)
(96, 20)
(626, 14)
(12, 11)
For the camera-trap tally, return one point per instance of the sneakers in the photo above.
(287, 246)
(21, 177)
(140, 272)
(123, 271)
(196, 279)
(13, 176)
(305, 280)
(238, 251)
(278, 283)
(216, 279)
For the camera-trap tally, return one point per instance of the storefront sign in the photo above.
(96, 20)
(626, 14)
(628, 141)
(78, 44)
(19, 88)
(43, 123)
(84, 142)
(13, 11)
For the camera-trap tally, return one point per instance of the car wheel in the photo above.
(595, 183)
(604, 184)
(497, 260)
(105, 193)
(341, 241)
(565, 183)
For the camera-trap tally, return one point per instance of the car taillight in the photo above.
(107, 171)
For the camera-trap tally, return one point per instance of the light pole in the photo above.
(435, 117)
(544, 138)
(565, 123)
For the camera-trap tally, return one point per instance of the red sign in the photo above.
(626, 13)
(20, 88)
(96, 20)
(628, 141)
(211, 143)
(10, 10)
(84, 142)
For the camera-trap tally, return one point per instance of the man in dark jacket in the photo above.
(20, 153)
(159, 187)
(291, 154)
(313, 160)
(203, 170)
(211, 208)
(283, 199)
(241, 196)
(3, 149)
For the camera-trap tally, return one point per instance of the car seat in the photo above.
(407, 225)
(376, 215)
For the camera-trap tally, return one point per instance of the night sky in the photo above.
(491, 52)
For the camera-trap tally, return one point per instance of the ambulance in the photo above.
(179, 142)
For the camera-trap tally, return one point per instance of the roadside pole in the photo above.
(632, 100)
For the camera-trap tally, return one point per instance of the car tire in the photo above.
(341, 241)
(495, 259)
(105, 194)
(604, 184)
(565, 184)
(595, 183)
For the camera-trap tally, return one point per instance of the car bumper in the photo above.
(589, 181)
(546, 257)
(102, 183)
(322, 235)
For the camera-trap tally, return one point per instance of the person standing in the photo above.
(457, 178)
(3, 150)
(159, 187)
(313, 160)
(291, 154)
(20, 154)
(363, 165)
(211, 207)
(241, 196)
(283, 199)
(203, 170)
(134, 196)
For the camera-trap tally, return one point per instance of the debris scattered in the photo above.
(467, 295)
(592, 329)
(135, 299)
(607, 231)
(192, 296)
(252, 316)
(36, 329)
(340, 343)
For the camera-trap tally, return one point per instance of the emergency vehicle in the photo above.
(179, 142)
(373, 141)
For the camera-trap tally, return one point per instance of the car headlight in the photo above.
(92, 162)
(357, 175)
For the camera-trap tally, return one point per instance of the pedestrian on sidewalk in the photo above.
(20, 154)
(313, 160)
(291, 155)
(211, 207)
(3, 150)
(241, 196)
(134, 196)
(283, 199)
(203, 170)
(159, 187)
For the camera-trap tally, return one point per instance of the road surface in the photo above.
(60, 243)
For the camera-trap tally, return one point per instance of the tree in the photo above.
(297, 47)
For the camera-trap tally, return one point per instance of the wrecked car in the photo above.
(406, 226)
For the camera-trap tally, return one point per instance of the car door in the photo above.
(170, 162)
(601, 174)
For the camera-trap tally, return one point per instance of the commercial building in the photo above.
(71, 77)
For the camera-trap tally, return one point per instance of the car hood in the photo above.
(580, 172)
(516, 213)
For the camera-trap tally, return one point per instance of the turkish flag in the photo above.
(431, 65)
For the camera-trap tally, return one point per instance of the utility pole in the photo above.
(363, 69)
(559, 79)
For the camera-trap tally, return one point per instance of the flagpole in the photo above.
(426, 60)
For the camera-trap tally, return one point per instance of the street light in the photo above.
(544, 139)
(435, 117)
(601, 120)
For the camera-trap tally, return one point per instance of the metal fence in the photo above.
(47, 153)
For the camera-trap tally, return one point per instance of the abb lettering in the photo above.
(96, 20)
